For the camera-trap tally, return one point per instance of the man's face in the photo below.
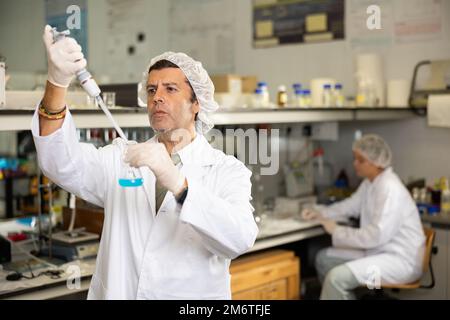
(169, 100)
(363, 167)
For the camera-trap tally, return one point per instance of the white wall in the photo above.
(22, 23)
(21, 26)
(157, 35)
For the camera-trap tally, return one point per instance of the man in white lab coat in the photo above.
(173, 237)
(388, 246)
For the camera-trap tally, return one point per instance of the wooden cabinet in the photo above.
(272, 275)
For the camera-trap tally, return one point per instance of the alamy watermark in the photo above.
(252, 147)
(74, 19)
(373, 22)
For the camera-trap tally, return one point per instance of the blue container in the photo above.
(433, 209)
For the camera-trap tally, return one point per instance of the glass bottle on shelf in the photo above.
(307, 98)
(282, 99)
(338, 96)
(265, 93)
(258, 98)
(296, 91)
(445, 196)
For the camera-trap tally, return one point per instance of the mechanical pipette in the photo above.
(90, 86)
(92, 89)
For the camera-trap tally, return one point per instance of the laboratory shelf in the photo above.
(18, 120)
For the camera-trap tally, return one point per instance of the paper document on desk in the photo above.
(272, 227)
(350, 254)
(439, 110)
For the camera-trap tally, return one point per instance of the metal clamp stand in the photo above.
(50, 214)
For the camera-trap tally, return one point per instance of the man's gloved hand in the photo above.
(64, 58)
(156, 157)
(329, 225)
(311, 214)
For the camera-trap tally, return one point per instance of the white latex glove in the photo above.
(155, 156)
(64, 58)
(329, 225)
(311, 214)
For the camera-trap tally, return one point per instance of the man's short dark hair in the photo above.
(164, 64)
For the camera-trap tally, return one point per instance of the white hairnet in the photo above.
(198, 78)
(375, 149)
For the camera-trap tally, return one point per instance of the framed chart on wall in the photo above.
(280, 22)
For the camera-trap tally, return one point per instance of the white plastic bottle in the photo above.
(326, 96)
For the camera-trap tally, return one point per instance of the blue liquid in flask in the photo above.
(131, 183)
(134, 182)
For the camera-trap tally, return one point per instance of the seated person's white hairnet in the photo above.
(200, 81)
(374, 149)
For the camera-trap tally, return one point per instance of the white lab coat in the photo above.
(390, 240)
(183, 252)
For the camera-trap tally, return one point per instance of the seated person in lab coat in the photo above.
(174, 236)
(388, 246)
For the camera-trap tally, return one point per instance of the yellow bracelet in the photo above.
(51, 116)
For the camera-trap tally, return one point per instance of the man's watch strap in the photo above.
(182, 197)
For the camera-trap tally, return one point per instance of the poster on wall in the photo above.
(280, 22)
(401, 21)
(358, 34)
(418, 20)
(69, 14)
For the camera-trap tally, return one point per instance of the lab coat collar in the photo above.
(382, 174)
(198, 153)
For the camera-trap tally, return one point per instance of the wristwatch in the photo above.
(180, 199)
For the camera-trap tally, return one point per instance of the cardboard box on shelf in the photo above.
(227, 83)
(249, 84)
(232, 101)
